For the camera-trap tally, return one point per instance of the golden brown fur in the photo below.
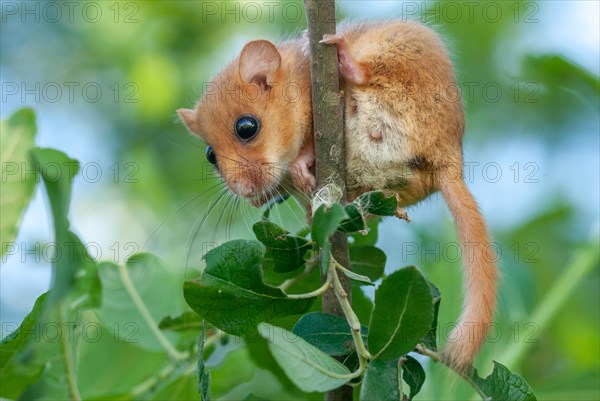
(404, 129)
(286, 120)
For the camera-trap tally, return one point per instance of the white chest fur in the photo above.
(377, 149)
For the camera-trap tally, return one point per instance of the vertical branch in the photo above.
(328, 129)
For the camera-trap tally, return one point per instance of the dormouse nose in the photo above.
(243, 189)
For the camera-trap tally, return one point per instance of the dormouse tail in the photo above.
(480, 274)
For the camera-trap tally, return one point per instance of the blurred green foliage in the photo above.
(160, 53)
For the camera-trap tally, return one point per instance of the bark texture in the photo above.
(328, 129)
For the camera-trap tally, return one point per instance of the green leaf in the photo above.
(356, 221)
(568, 92)
(16, 374)
(111, 375)
(376, 203)
(231, 293)
(413, 374)
(361, 304)
(370, 237)
(136, 297)
(331, 334)
(218, 352)
(264, 386)
(76, 283)
(181, 383)
(368, 261)
(177, 386)
(85, 287)
(58, 170)
(75, 271)
(368, 204)
(309, 368)
(430, 340)
(325, 223)
(502, 385)
(325, 258)
(381, 382)
(26, 352)
(184, 322)
(17, 136)
(352, 362)
(402, 314)
(303, 232)
(260, 354)
(285, 253)
(66, 314)
(556, 72)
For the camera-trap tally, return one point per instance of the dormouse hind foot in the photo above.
(350, 69)
(401, 212)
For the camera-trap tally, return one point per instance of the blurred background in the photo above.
(105, 79)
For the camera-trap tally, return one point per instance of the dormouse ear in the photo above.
(259, 62)
(189, 119)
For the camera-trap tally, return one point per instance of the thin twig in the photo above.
(353, 322)
(421, 349)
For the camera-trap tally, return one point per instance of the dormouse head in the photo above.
(249, 118)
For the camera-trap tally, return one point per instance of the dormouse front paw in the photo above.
(302, 178)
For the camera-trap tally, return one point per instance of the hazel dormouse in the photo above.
(403, 130)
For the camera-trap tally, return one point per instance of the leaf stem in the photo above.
(68, 357)
(290, 282)
(147, 384)
(353, 322)
(152, 325)
(423, 350)
(351, 317)
(321, 290)
(351, 275)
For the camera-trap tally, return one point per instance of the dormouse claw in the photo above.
(400, 211)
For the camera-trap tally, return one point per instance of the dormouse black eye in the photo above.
(210, 155)
(246, 127)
